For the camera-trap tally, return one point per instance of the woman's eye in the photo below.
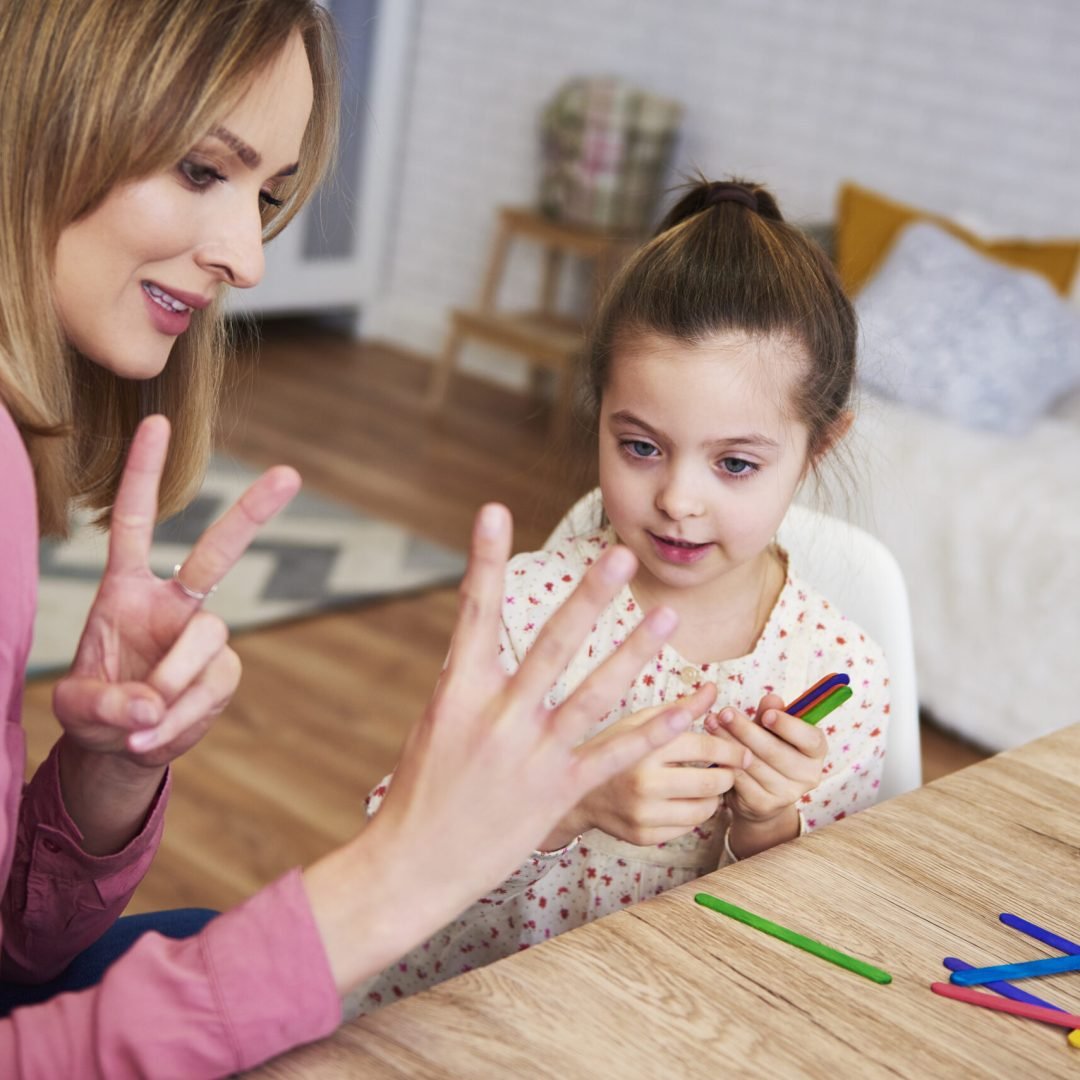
(738, 466)
(199, 175)
(639, 448)
(269, 200)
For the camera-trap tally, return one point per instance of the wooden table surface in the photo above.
(670, 989)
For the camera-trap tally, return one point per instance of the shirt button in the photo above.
(689, 675)
(50, 845)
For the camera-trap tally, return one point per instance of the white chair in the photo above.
(860, 575)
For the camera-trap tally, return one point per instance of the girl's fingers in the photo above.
(603, 687)
(598, 761)
(476, 635)
(679, 784)
(695, 747)
(784, 744)
(567, 629)
(219, 548)
(200, 701)
(202, 638)
(135, 510)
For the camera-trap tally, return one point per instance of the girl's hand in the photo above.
(788, 758)
(659, 798)
(152, 669)
(488, 771)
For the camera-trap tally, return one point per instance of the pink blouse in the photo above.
(254, 983)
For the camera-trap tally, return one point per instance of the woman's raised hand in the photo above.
(489, 770)
(152, 668)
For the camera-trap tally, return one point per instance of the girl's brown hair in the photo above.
(724, 259)
(93, 94)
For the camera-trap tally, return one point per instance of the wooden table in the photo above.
(669, 989)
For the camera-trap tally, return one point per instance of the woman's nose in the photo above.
(233, 249)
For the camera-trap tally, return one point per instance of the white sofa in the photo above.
(986, 529)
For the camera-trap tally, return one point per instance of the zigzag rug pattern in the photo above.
(317, 554)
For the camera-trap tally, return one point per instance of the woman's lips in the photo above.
(680, 552)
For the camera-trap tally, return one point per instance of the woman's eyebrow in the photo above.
(248, 155)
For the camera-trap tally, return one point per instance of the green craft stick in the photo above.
(860, 967)
(823, 708)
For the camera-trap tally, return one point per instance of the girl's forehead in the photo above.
(726, 373)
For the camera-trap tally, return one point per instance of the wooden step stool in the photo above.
(548, 340)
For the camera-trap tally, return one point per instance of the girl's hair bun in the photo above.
(705, 195)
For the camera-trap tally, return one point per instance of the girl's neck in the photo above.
(725, 620)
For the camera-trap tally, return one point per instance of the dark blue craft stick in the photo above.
(1003, 988)
(826, 686)
(1047, 937)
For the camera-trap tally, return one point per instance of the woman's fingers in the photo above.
(82, 703)
(202, 638)
(135, 509)
(568, 628)
(198, 703)
(219, 548)
(476, 635)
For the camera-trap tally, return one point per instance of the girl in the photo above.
(717, 376)
(149, 150)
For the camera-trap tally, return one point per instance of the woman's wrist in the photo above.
(748, 836)
(372, 904)
(105, 795)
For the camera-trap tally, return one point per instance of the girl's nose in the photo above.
(679, 496)
(233, 250)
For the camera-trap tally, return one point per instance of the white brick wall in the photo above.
(967, 107)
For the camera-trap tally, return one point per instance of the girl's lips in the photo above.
(680, 552)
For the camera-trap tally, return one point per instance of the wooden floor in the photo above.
(325, 702)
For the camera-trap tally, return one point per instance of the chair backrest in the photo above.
(860, 575)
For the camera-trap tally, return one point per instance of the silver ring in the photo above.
(192, 593)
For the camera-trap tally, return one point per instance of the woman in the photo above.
(150, 148)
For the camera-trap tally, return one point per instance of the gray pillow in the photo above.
(946, 329)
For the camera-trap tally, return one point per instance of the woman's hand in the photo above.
(658, 799)
(488, 771)
(788, 756)
(152, 669)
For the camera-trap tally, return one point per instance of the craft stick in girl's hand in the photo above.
(826, 705)
(818, 692)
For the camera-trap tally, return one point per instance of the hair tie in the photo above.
(722, 191)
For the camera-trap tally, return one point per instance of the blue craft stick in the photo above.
(1029, 969)
(1003, 988)
(1047, 937)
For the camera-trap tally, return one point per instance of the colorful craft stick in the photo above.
(860, 967)
(1029, 969)
(1047, 937)
(1017, 1008)
(823, 708)
(818, 690)
(1003, 988)
(1074, 1038)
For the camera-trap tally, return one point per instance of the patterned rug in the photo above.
(316, 554)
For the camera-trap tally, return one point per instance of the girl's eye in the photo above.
(733, 466)
(198, 175)
(268, 200)
(638, 448)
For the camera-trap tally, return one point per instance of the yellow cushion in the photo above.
(867, 224)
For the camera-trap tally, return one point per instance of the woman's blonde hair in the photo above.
(93, 94)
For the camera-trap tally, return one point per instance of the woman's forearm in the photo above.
(107, 797)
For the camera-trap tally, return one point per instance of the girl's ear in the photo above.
(834, 435)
